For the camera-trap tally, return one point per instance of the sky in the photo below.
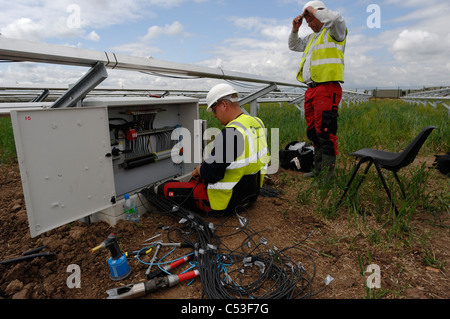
(390, 43)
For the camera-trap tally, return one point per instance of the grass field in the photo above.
(386, 124)
(383, 124)
(7, 146)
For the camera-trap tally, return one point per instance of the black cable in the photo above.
(242, 272)
(27, 257)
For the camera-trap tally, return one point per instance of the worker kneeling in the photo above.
(233, 173)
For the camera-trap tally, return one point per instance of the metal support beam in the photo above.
(298, 100)
(301, 109)
(79, 90)
(19, 50)
(252, 98)
(41, 97)
(447, 107)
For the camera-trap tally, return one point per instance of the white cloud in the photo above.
(393, 58)
(24, 28)
(137, 49)
(264, 51)
(66, 18)
(93, 36)
(411, 45)
(32, 73)
(412, 3)
(171, 3)
(169, 30)
(143, 48)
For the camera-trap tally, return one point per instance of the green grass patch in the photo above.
(7, 146)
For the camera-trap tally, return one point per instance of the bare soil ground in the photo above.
(336, 246)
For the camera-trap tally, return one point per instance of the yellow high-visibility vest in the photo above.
(327, 58)
(253, 159)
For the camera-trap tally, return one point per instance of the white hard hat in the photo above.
(217, 92)
(315, 5)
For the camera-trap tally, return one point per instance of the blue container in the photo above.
(118, 268)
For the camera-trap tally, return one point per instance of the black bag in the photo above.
(442, 163)
(298, 156)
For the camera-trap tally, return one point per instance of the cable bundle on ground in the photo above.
(251, 271)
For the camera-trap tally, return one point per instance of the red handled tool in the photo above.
(167, 268)
(143, 288)
(156, 282)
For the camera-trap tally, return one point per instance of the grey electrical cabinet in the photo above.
(80, 161)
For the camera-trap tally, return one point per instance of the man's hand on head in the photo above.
(309, 11)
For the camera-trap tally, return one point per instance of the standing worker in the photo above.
(322, 70)
(233, 173)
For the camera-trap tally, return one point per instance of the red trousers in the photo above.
(321, 113)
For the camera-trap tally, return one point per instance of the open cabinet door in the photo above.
(65, 164)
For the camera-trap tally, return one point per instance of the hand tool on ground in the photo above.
(140, 252)
(145, 287)
(160, 244)
(180, 245)
(152, 261)
(117, 263)
(151, 238)
(167, 268)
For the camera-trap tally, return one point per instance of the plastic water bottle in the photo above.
(130, 209)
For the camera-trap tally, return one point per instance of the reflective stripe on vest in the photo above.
(327, 58)
(253, 159)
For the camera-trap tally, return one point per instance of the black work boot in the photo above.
(328, 164)
(317, 164)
